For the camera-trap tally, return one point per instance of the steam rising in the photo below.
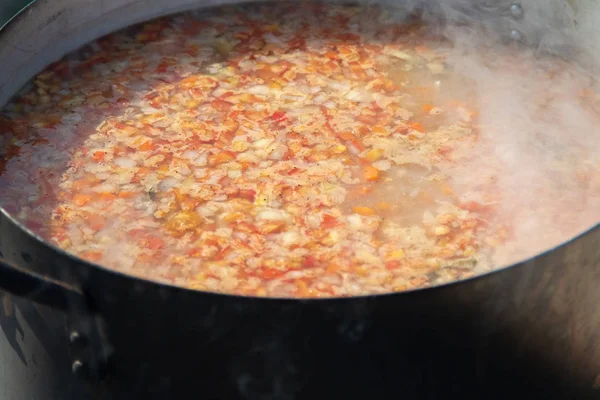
(538, 112)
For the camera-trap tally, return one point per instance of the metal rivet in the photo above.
(77, 367)
(516, 35)
(74, 337)
(516, 10)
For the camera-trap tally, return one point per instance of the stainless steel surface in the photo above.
(516, 10)
(54, 28)
(516, 35)
(8, 8)
(32, 356)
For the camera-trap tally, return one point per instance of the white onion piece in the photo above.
(234, 173)
(355, 220)
(215, 177)
(399, 54)
(202, 159)
(382, 165)
(338, 86)
(290, 238)
(106, 187)
(321, 97)
(366, 257)
(167, 184)
(294, 275)
(278, 153)
(190, 154)
(162, 123)
(263, 143)
(240, 235)
(147, 109)
(272, 215)
(359, 95)
(124, 162)
(71, 118)
(292, 97)
(436, 68)
(259, 89)
(270, 38)
(246, 65)
(334, 279)
(219, 91)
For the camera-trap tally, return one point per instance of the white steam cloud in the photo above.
(539, 110)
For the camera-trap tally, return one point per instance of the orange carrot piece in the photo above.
(417, 127)
(221, 105)
(383, 206)
(370, 173)
(329, 221)
(270, 273)
(81, 199)
(381, 130)
(472, 206)
(363, 210)
(91, 255)
(147, 146)
(96, 221)
(302, 288)
(107, 196)
(154, 243)
(347, 135)
(332, 268)
(126, 195)
(222, 157)
(98, 156)
(393, 264)
(363, 190)
(189, 80)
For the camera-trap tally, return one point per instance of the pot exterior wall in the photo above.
(34, 353)
(531, 329)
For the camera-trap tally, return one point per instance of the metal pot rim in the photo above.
(145, 12)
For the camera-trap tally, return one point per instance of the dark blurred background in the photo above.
(8, 8)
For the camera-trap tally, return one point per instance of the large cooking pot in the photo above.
(531, 329)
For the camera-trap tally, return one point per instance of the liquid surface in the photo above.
(325, 155)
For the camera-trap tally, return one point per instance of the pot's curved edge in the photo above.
(13, 227)
(49, 29)
(68, 24)
(16, 14)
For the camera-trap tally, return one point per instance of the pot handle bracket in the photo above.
(89, 348)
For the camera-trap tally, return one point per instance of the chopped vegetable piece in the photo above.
(417, 127)
(363, 210)
(81, 199)
(371, 173)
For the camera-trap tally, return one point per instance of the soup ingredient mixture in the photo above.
(272, 151)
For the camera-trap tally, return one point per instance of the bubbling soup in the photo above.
(301, 151)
